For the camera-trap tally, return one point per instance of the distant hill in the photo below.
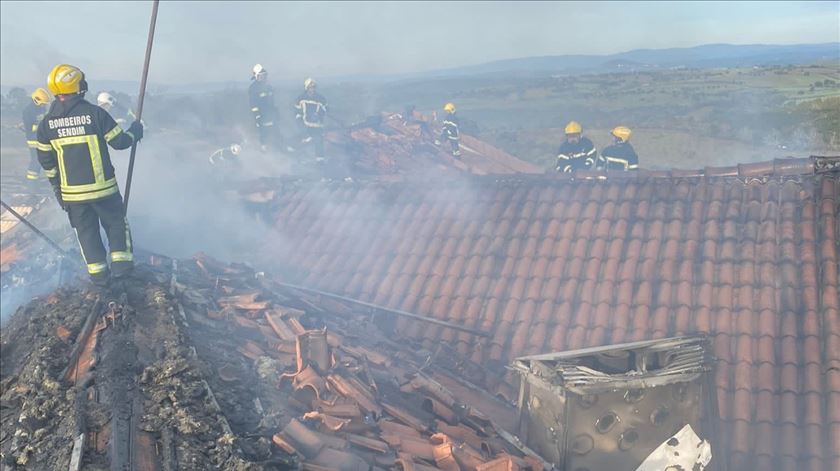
(706, 56)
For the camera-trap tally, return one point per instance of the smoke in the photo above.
(180, 204)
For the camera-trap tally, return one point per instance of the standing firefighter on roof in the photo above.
(33, 113)
(310, 111)
(73, 142)
(577, 152)
(450, 131)
(122, 115)
(261, 97)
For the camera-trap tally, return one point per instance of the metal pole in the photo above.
(141, 97)
(385, 310)
(34, 229)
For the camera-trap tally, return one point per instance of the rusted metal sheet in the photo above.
(610, 407)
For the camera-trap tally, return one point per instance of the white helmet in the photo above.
(105, 98)
(308, 83)
(258, 69)
(235, 149)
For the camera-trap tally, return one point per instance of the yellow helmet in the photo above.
(40, 96)
(66, 79)
(573, 128)
(449, 107)
(622, 133)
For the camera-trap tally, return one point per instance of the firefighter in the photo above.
(577, 152)
(120, 113)
(226, 155)
(73, 142)
(310, 111)
(620, 155)
(261, 97)
(33, 113)
(450, 130)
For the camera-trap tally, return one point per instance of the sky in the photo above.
(220, 41)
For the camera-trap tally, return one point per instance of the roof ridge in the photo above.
(786, 167)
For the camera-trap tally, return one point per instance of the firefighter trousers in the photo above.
(314, 138)
(110, 213)
(34, 169)
(270, 135)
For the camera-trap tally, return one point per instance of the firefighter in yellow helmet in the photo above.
(577, 152)
(450, 130)
(620, 155)
(33, 113)
(72, 143)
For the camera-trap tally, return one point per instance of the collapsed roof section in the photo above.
(236, 372)
(747, 255)
(393, 144)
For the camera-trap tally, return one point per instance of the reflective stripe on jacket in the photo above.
(579, 155)
(311, 109)
(619, 156)
(72, 144)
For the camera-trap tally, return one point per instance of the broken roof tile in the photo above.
(568, 263)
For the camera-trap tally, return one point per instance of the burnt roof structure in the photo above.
(746, 254)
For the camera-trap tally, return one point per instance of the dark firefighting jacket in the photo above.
(32, 116)
(122, 115)
(576, 156)
(311, 109)
(261, 97)
(619, 156)
(450, 127)
(73, 142)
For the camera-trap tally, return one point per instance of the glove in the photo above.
(437, 142)
(136, 129)
(57, 192)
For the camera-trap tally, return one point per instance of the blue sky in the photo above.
(215, 41)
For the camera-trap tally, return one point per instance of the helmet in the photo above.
(258, 69)
(235, 149)
(65, 79)
(449, 107)
(622, 133)
(573, 128)
(309, 83)
(40, 96)
(105, 98)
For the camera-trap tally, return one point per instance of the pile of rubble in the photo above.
(213, 366)
(28, 267)
(393, 143)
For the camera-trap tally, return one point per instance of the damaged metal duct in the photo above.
(610, 407)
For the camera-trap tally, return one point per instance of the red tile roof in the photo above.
(748, 255)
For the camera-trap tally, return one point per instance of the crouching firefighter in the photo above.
(33, 113)
(450, 130)
(73, 142)
(620, 155)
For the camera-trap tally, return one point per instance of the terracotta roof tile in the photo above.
(553, 264)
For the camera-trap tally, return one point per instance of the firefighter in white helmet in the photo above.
(310, 111)
(121, 114)
(261, 98)
(226, 155)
